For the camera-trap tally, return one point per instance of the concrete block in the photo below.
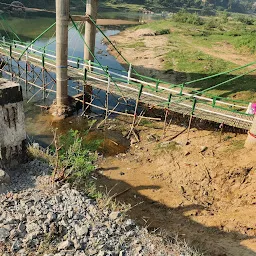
(12, 125)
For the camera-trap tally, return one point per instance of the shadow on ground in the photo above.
(209, 240)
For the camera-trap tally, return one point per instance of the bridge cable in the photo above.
(101, 31)
(1, 16)
(38, 37)
(105, 70)
(218, 74)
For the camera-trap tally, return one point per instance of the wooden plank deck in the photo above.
(182, 104)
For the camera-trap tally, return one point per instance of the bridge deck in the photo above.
(182, 101)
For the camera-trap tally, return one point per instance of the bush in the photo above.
(186, 17)
(245, 19)
(247, 42)
(163, 32)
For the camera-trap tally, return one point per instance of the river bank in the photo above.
(41, 217)
(179, 52)
(203, 190)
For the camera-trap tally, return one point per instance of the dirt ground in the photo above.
(149, 60)
(204, 192)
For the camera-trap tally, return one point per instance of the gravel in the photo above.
(37, 218)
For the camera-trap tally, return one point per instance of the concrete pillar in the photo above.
(62, 21)
(12, 125)
(90, 29)
(251, 139)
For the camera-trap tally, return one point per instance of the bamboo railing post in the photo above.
(221, 131)
(135, 110)
(107, 98)
(129, 73)
(43, 73)
(84, 87)
(166, 114)
(190, 119)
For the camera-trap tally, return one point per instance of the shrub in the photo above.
(245, 19)
(163, 32)
(246, 41)
(186, 17)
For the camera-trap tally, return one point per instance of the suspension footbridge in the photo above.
(35, 66)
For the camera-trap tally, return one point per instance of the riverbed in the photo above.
(39, 124)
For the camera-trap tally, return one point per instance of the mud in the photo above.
(203, 191)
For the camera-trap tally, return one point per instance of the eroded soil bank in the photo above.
(204, 191)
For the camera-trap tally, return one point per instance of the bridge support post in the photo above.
(62, 21)
(90, 29)
(251, 139)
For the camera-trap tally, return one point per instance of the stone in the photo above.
(81, 230)
(36, 145)
(65, 245)
(21, 227)
(32, 227)
(4, 233)
(114, 215)
(16, 246)
(51, 216)
(4, 177)
(102, 253)
(12, 124)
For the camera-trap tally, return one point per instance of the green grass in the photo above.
(135, 45)
(122, 6)
(188, 62)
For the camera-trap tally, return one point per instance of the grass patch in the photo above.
(166, 147)
(136, 45)
(187, 60)
(114, 5)
(237, 144)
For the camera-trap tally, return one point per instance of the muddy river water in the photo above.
(39, 125)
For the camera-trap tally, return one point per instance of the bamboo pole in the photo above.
(166, 114)
(135, 110)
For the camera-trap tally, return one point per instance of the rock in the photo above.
(36, 145)
(65, 245)
(51, 216)
(203, 149)
(21, 227)
(81, 230)
(187, 153)
(114, 215)
(4, 177)
(32, 227)
(16, 246)
(4, 233)
(102, 253)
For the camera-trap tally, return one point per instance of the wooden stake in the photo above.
(165, 122)
(135, 111)
(221, 131)
(107, 99)
(189, 126)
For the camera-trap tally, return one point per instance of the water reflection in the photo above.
(40, 125)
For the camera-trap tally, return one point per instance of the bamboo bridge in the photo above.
(35, 66)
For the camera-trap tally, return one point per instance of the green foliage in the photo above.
(163, 32)
(75, 156)
(186, 17)
(246, 42)
(247, 20)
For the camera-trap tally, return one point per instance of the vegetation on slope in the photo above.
(230, 5)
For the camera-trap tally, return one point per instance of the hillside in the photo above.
(230, 5)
